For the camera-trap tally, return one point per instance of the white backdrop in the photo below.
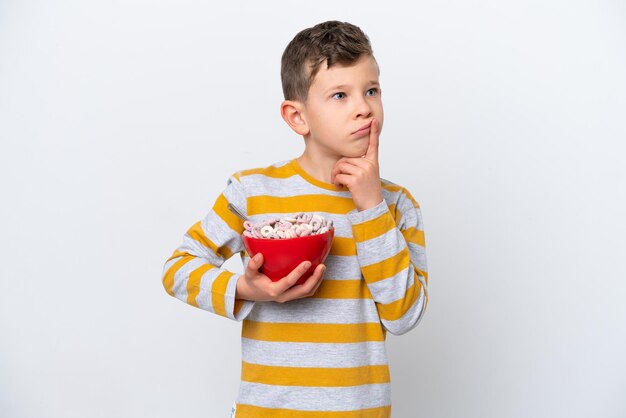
(120, 122)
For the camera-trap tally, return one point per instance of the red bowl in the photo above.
(281, 256)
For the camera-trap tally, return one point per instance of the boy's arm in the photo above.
(392, 257)
(193, 274)
(391, 252)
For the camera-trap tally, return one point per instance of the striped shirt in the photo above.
(322, 356)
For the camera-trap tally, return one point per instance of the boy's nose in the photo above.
(362, 109)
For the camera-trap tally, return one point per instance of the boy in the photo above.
(316, 349)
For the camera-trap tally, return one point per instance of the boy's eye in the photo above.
(339, 95)
(372, 92)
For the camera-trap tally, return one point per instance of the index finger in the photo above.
(372, 148)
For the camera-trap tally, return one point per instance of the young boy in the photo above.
(316, 349)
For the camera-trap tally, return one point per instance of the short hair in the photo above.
(332, 42)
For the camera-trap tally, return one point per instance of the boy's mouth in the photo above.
(363, 129)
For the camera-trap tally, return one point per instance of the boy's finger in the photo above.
(336, 170)
(347, 166)
(291, 279)
(372, 148)
(255, 263)
(308, 287)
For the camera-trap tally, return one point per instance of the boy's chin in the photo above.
(354, 154)
(349, 156)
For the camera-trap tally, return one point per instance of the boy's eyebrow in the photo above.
(344, 86)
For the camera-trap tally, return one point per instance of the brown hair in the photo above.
(332, 42)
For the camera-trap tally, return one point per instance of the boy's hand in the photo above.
(256, 286)
(361, 175)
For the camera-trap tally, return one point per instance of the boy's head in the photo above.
(330, 83)
(328, 43)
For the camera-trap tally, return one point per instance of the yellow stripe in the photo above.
(343, 246)
(394, 310)
(314, 376)
(251, 411)
(274, 172)
(218, 290)
(168, 278)
(221, 209)
(315, 333)
(416, 236)
(238, 305)
(388, 267)
(196, 232)
(303, 203)
(395, 212)
(408, 195)
(395, 188)
(176, 253)
(373, 228)
(193, 284)
(343, 289)
(391, 187)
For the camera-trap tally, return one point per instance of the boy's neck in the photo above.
(318, 168)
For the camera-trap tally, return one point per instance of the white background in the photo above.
(120, 122)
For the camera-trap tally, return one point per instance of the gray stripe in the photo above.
(380, 248)
(409, 213)
(204, 298)
(220, 233)
(393, 288)
(229, 297)
(272, 353)
(318, 311)
(418, 256)
(339, 267)
(260, 185)
(310, 398)
(193, 247)
(388, 195)
(235, 194)
(182, 277)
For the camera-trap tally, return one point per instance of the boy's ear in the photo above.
(292, 113)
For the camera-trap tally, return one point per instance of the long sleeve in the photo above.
(193, 274)
(392, 257)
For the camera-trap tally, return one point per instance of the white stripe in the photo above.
(306, 398)
(285, 354)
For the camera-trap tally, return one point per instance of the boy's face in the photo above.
(341, 104)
